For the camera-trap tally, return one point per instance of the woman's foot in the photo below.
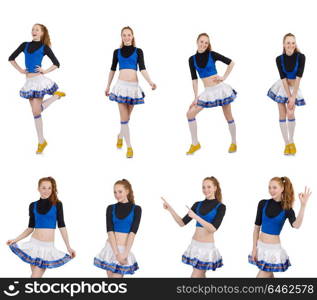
(193, 149)
(41, 147)
(286, 150)
(119, 142)
(232, 148)
(60, 94)
(129, 152)
(292, 149)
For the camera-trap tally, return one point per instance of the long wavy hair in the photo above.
(288, 197)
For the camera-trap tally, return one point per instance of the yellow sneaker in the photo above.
(119, 143)
(232, 148)
(129, 152)
(292, 149)
(41, 147)
(286, 150)
(60, 94)
(193, 149)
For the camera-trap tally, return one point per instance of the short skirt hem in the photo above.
(116, 268)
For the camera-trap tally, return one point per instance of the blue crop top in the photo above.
(47, 220)
(122, 225)
(130, 62)
(208, 70)
(272, 225)
(34, 59)
(209, 217)
(292, 74)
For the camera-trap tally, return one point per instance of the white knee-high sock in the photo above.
(193, 130)
(46, 103)
(291, 129)
(39, 128)
(232, 129)
(125, 132)
(284, 131)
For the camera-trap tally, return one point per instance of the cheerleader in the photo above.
(286, 91)
(37, 85)
(127, 91)
(40, 251)
(123, 219)
(202, 253)
(267, 253)
(216, 93)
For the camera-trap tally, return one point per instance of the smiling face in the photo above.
(275, 190)
(289, 45)
(37, 32)
(127, 37)
(120, 193)
(202, 44)
(209, 189)
(45, 189)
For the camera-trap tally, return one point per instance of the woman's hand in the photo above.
(191, 213)
(122, 259)
(40, 70)
(107, 91)
(303, 197)
(254, 254)
(165, 204)
(218, 78)
(23, 71)
(10, 242)
(153, 85)
(291, 102)
(71, 252)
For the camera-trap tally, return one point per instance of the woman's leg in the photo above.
(125, 112)
(37, 272)
(232, 126)
(264, 274)
(198, 273)
(36, 110)
(191, 115)
(47, 102)
(283, 125)
(114, 275)
(291, 123)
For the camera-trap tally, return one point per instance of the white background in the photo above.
(81, 129)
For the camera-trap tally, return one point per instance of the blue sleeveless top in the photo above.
(122, 225)
(130, 62)
(33, 60)
(208, 70)
(209, 217)
(272, 225)
(47, 220)
(292, 74)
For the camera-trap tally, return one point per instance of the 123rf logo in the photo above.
(71, 289)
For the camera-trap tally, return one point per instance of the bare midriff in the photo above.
(210, 81)
(128, 75)
(202, 235)
(269, 238)
(44, 234)
(30, 75)
(121, 238)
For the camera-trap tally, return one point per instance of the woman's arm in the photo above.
(296, 87)
(22, 236)
(64, 234)
(256, 234)
(129, 244)
(17, 67)
(208, 226)
(146, 76)
(43, 71)
(110, 78)
(303, 197)
(175, 216)
(195, 89)
(228, 70)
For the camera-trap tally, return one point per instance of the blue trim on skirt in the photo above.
(265, 266)
(280, 99)
(39, 262)
(115, 268)
(201, 265)
(218, 102)
(127, 100)
(39, 94)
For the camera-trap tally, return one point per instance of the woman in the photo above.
(267, 253)
(216, 93)
(127, 91)
(40, 252)
(123, 220)
(286, 91)
(37, 85)
(202, 254)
